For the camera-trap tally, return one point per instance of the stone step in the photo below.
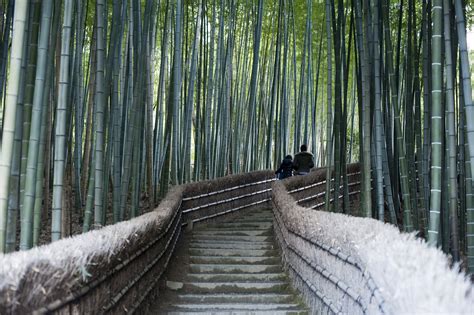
(242, 238)
(242, 227)
(236, 277)
(234, 260)
(232, 252)
(267, 216)
(246, 225)
(230, 229)
(253, 220)
(234, 269)
(217, 268)
(236, 312)
(209, 244)
(236, 287)
(216, 232)
(238, 306)
(236, 298)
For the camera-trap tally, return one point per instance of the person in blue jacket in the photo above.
(286, 168)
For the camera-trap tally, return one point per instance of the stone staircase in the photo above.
(234, 268)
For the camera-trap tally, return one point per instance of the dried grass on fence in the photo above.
(219, 184)
(411, 277)
(34, 278)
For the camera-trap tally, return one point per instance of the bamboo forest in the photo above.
(106, 104)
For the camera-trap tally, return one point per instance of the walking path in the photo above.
(234, 268)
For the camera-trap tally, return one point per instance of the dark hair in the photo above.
(289, 157)
(303, 148)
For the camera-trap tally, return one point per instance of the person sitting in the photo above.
(303, 161)
(286, 168)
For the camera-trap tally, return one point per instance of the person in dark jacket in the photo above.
(303, 161)
(286, 168)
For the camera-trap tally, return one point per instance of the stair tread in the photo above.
(237, 265)
(242, 238)
(237, 282)
(233, 230)
(228, 295)
(232, 233)
(212, 256)
(236, 312)
(250, 259)
(236, 287)
(243, 246)
(267, 227)
(236, 276)
(226, 252)
(238, 306)
(252, 269)
(245, 298)
(221, 241)
(248, 224)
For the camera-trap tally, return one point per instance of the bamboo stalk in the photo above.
(19, 21)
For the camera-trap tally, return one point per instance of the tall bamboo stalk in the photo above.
(378, 116)
(177, 63)
(60, 126)
(253, 85)
(437, 129)
(99, 119)
(451, 146)
(19, 21)
(365, 132)
(26, 240)
(329, 144)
